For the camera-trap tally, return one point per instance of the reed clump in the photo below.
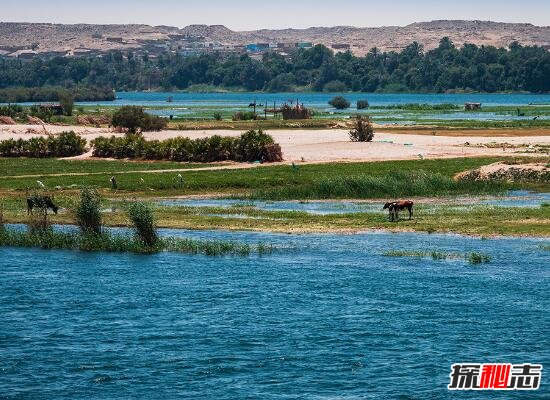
(87, 211)
(92, 237)
(142, 218)
(472, 257)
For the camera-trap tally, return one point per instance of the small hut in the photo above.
(472, 106)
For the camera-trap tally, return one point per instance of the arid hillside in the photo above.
(16, 38)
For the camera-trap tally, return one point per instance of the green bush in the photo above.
(362, 131)
(217, 116)
(244, 116)
(87, 211)
(362, 104)
(257, 146)
(134, 119)
(141, 216)
(66, 144)
(13, 111)
(340, 103)
(251, 146)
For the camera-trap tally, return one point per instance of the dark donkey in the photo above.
(41, 202)
(395, 206)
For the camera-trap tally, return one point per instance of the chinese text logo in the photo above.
(495, 376)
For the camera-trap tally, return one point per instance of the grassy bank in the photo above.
(475, 220)
(332, 180)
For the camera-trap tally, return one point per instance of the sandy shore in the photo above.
(330, 145)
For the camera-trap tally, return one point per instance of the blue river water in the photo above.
(318, 100)
(326, 316)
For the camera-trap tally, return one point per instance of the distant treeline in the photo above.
(54, 93)
(446, 68)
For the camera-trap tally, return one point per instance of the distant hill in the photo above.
(85, 38)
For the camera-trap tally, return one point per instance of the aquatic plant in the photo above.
(87, 211)
(38, 222)
(472, 258)
(2, 227)
(478, 258)
(51, 239)
(142, 218)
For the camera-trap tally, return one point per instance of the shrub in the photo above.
(296, 112)
(13, 111)
(362, 131)
(251, 146)
(135, 119)
(141, 216)
(66, 144)
(257, 146)
(244, 116)
(362, 104)
(87, 212)
(340, 103)
(217, 116)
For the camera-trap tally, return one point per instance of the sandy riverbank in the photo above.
(326, 145)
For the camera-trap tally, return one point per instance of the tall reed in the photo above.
(87, 211)
(142, 217)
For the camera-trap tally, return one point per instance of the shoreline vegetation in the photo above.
(445, 68)
(21, 94)
(92, 236)
(414, 116)
(367, 180)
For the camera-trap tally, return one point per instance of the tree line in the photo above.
(445, 68)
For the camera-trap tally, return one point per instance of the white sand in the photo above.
(325, 145)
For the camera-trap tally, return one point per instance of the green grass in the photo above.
(394, 185)
(366, 179)
(476, 220)
(41, 166)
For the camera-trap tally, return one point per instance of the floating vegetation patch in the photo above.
(472, 258)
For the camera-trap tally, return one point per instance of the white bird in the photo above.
(141, 179)
(39, 183)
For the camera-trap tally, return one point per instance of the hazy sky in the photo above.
(244, 14)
